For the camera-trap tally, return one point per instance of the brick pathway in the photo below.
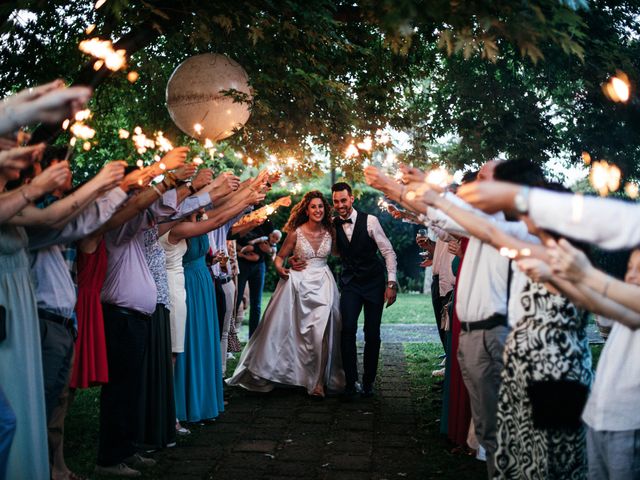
(285, 434)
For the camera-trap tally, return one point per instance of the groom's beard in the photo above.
(346, 215)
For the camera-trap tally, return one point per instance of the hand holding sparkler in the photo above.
(203, 178)
(567, 261)
(55, 176)
(185, 172)
(21, 157)
(489, 196)
(173, 159)
(536, 269)
(111, 175)
(224, 184)
(411, 174)
(50, 103)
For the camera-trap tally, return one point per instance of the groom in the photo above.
(359, 237)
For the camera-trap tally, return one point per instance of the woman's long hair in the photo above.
(299, 212)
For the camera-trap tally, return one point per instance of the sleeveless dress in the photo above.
(548, 343)
(302, 315)
(198, 371)
(177, 292)
(90, 362)
(21, 360)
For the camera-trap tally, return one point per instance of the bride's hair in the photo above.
(299, 212)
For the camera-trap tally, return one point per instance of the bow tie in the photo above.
(340, 221)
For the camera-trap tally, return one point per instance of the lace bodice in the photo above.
(304, 249)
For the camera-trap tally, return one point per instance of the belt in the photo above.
(223, 281)
(130, 312)
(52, 317)
(493, 321)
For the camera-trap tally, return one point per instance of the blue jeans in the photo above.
(252, 272)
(7, 430)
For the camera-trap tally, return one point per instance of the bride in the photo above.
(297, 342)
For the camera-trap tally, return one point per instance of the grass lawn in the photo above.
(409, 308)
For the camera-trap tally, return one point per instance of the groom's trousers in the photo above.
(355, 296)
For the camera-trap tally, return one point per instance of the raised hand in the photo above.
(226, 183)
(186, 171)
(51, 178)
(567, 261)
(376, 178)
(256, 197)
(111, 175)
(54, 105)
(535, 269)
(411, 174)
(175, 158)
(202, 179)
(21, 157)
(489, 196)
(137, 179)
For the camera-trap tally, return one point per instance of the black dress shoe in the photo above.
(367, 391)
(350, 393)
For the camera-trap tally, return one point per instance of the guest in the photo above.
(252, 271)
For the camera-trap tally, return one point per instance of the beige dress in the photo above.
(177, 292)
(302, 315)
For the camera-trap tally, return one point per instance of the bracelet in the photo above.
(155, 189)
(606, 288)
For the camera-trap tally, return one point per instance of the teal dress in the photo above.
(198, 371)
(21, 360)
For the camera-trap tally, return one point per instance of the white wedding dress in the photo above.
(299, 331)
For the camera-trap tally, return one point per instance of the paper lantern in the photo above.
(196, 100)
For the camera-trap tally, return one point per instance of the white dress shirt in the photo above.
(375, 231)
(614, 403)
(610, 224)
(482, 280)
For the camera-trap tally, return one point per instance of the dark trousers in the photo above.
(355, 296)
(57, 351)
(252, 272)
(221, 305)
(438, 303)
(126, 333)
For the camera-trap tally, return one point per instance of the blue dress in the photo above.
(198, 371)
(21, 360)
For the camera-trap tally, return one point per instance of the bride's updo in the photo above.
(299, 212)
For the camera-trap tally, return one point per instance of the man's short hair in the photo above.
(340, 186)
(522, 172)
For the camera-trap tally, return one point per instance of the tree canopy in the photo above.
(493, 77)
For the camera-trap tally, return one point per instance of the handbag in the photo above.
(557, 403)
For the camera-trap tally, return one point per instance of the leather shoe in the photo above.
(367, 391)
(138, 461)
(119, 470)
(350, 392)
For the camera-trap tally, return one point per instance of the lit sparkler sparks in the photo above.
(198, 128)
(122, 133)
(103, 50)
(197, 161)
(133, 76)
(351, 151)
(439, 177)
(366, 144)
(163, 144)
(618, 88)
(604, 177)
(141, 142)
(632, 190)
(586, 158)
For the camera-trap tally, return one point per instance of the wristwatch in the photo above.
(191, 188)
(521, 200)
(392, 285)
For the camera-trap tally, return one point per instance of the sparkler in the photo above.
(586, 158)
(618, 88)
(604, 177)
(103, 50)
(351, 151)
(439, 177)
(133, 76)
(198, 128)
(197, 161)
(632, 190)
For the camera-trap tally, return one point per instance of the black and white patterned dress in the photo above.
(548, 343)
